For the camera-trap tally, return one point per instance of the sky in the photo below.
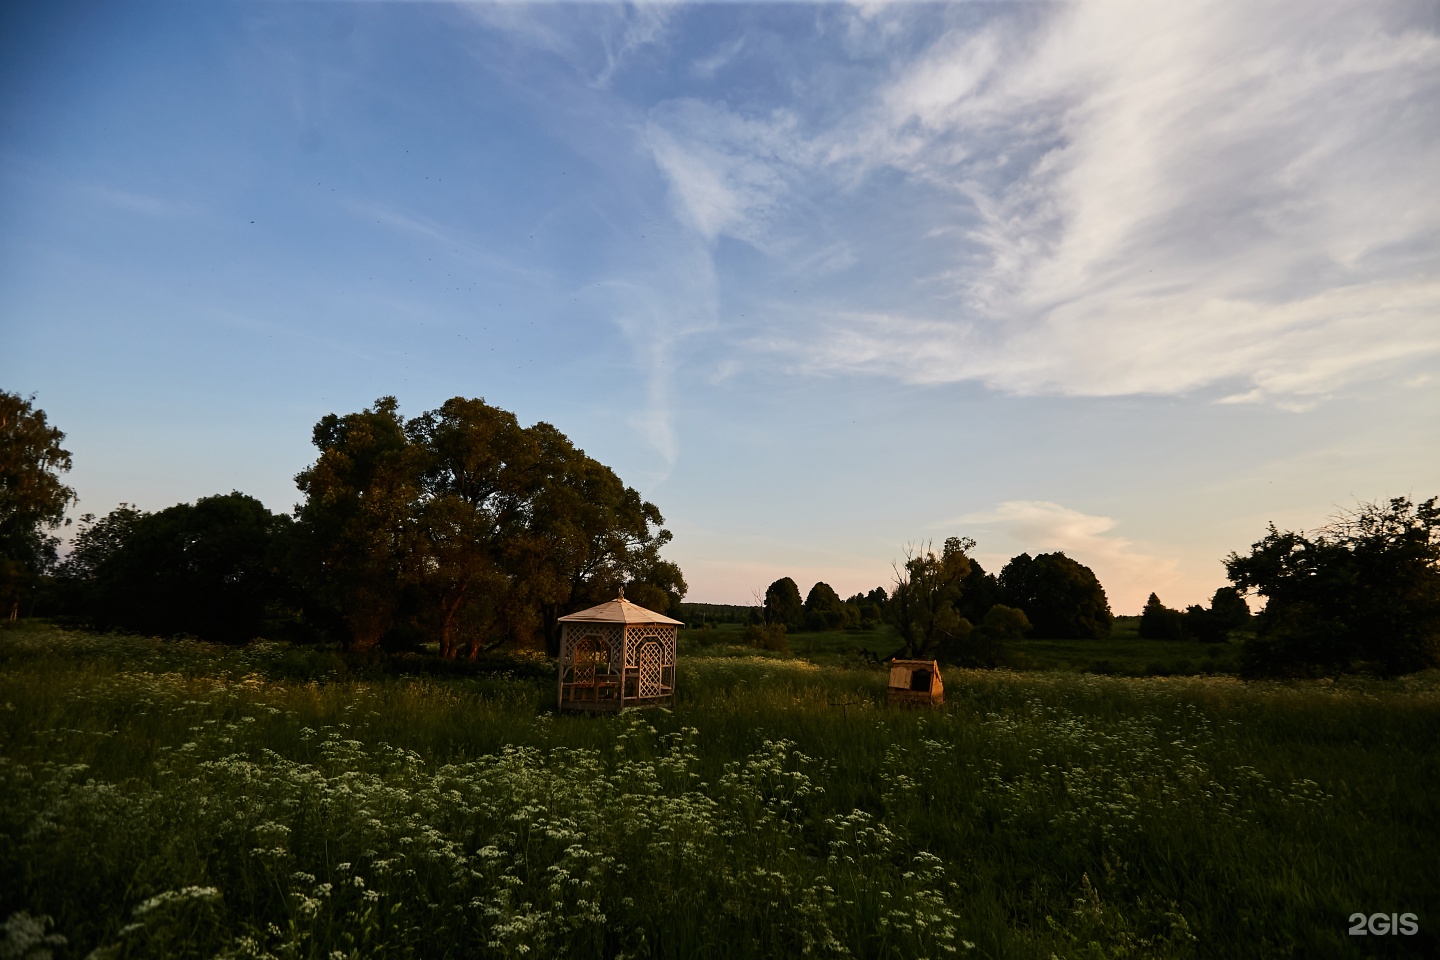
(1124, 279)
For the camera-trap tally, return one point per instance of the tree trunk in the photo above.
(450, 607)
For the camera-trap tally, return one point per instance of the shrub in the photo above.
(768, 636)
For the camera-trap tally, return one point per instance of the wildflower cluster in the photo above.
(525, 852)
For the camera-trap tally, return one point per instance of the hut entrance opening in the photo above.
(915, 682)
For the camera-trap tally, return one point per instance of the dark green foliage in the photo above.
(1196, 623)
(783, 604)
(589, 533)
(979, 591)
(927, 591)
(1005, 623)
(360, 497)
(32, 498)
(211, 569)
(463, 525)
(824, 610)
(649, 596)
(696, 614)
(458, 525)
(1159, 622)
(1062, 597)
(1228, 610)
(985, 644)
(767, 636)
(479, 473)
(1360, 593)
(870, 607)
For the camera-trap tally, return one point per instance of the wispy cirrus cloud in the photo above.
(597, 40)
(707, 67)
(1156, 199)
(727, 174)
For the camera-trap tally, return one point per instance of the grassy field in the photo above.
(1123, 653)
(167, 799)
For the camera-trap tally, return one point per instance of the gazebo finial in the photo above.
(622, 592)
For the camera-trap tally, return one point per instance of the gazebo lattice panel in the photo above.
(636, 635)
(616, 656)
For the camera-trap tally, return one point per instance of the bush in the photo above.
(1159, 622)
(1362, 593)
(768, 636)
(984, 646)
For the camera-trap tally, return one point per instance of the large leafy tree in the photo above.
(1062, 598)
(978, 593)
(471, 526)
(783, 604)
(1228, 610)
(358, 520)
(589, 534)
(480, 471)
(32, 497)
(824, 610)
(209, 569)
(1362, 592)
(928, 589)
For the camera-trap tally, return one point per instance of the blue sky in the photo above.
(1124, 279)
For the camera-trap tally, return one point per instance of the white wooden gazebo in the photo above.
(617, 656)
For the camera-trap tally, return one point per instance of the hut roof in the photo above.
(914, 664)
(618, 610)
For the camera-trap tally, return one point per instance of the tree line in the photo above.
(1360, 594)
(460, 525)
(1227, 611)
(457, 525)
(942, 602)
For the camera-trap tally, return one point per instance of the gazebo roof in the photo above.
(618, 610)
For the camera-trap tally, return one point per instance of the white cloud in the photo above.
(1214, 192)
(596, 39)
(1128, 571)
(642, 24)
(726, 173)
(658, 308)
(1163, 198)
(707, 67)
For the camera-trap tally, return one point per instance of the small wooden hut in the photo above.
(617, 656)
(916, 682)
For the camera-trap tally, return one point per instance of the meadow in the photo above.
(177, 799)
(1123, 653)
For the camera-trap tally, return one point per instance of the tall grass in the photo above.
(180, 800)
